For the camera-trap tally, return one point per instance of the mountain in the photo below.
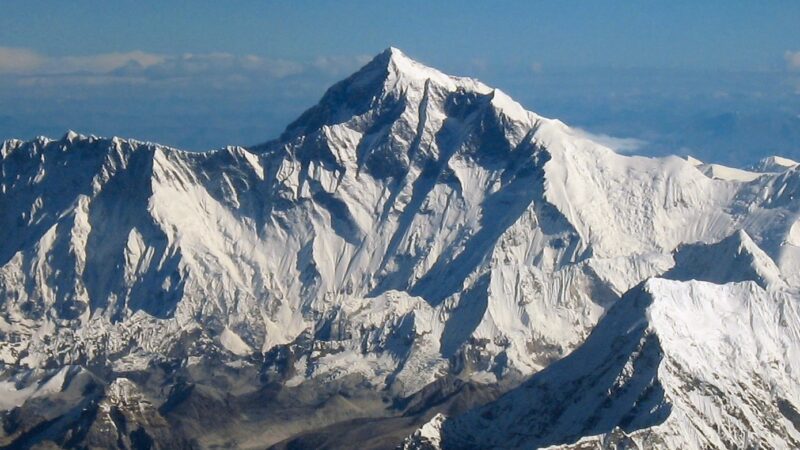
(743, 260)
(774, 164)
(415, 247)
(669, 366)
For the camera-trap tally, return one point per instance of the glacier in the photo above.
(418, 261)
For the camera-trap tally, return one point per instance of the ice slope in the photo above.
(673, 365)
(410, 225)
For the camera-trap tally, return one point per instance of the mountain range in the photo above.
(416, 262)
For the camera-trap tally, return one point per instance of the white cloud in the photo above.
(213, 64)
(19, 60)
(104, 63)
(618, 144)
(138, 66)
(22, 61)
(792, 59)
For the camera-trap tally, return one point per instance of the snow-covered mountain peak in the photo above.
(743, 260)
(410, 228)
(9, 146)
(71, 135)
(414, 72)
(774, 164)
(411, 73)
(391, 83)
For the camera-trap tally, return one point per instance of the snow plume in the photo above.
(618, 144)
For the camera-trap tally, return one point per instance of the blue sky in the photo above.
(718, 79)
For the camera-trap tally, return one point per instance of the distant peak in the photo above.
(71, 135)
(774, 164)
(785, 162)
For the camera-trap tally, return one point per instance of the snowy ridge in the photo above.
(774, 164)
(673, 365)
(411, 226)
(743, 260)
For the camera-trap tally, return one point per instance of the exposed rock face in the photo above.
(411, 228)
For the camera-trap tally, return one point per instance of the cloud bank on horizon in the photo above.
(206, 100)
(138, 66)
